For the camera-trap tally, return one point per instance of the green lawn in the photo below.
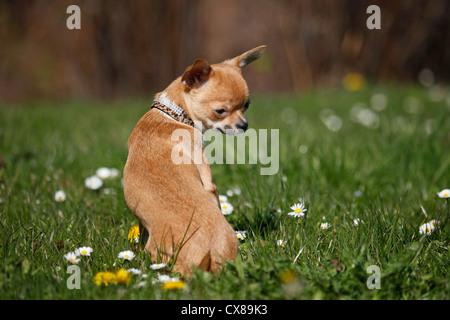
(379, 155)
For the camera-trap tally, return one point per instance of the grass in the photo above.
(387, 175)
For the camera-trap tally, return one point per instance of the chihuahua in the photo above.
(177, 204)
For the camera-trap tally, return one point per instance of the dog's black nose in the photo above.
(242, 125)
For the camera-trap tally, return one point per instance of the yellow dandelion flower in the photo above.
(133, 233)
(123, 276)
(354, 81)
(173, 285)
(105, 277)
(288, 276)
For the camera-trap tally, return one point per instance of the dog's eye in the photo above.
(247, 104)
(220, 111)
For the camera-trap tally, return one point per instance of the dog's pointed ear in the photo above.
(248, 57)
(197, 74)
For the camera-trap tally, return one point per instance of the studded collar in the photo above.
(175, 112)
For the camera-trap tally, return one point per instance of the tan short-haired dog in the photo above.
(177, 204)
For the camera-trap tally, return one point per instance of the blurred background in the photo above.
(128, 48)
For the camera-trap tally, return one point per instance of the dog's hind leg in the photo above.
(224, 248)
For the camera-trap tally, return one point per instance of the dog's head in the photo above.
(217, 95)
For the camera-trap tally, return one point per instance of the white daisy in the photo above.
(103, 173)
(298, 210)
(134, 271)
(108, 191)
(230, 193)
(72, 257)
(325, 225)
(140, 284)
(444, 194)
(281, 243)
(93, 182)
(84, 251)
(226, 207)
(223, 198)
(378, 102)
(60, 196)
(426, 228)
(157, 266)
(434, 222)
(241, 235)
(164, 278)
(127, 255)
(114, 173)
